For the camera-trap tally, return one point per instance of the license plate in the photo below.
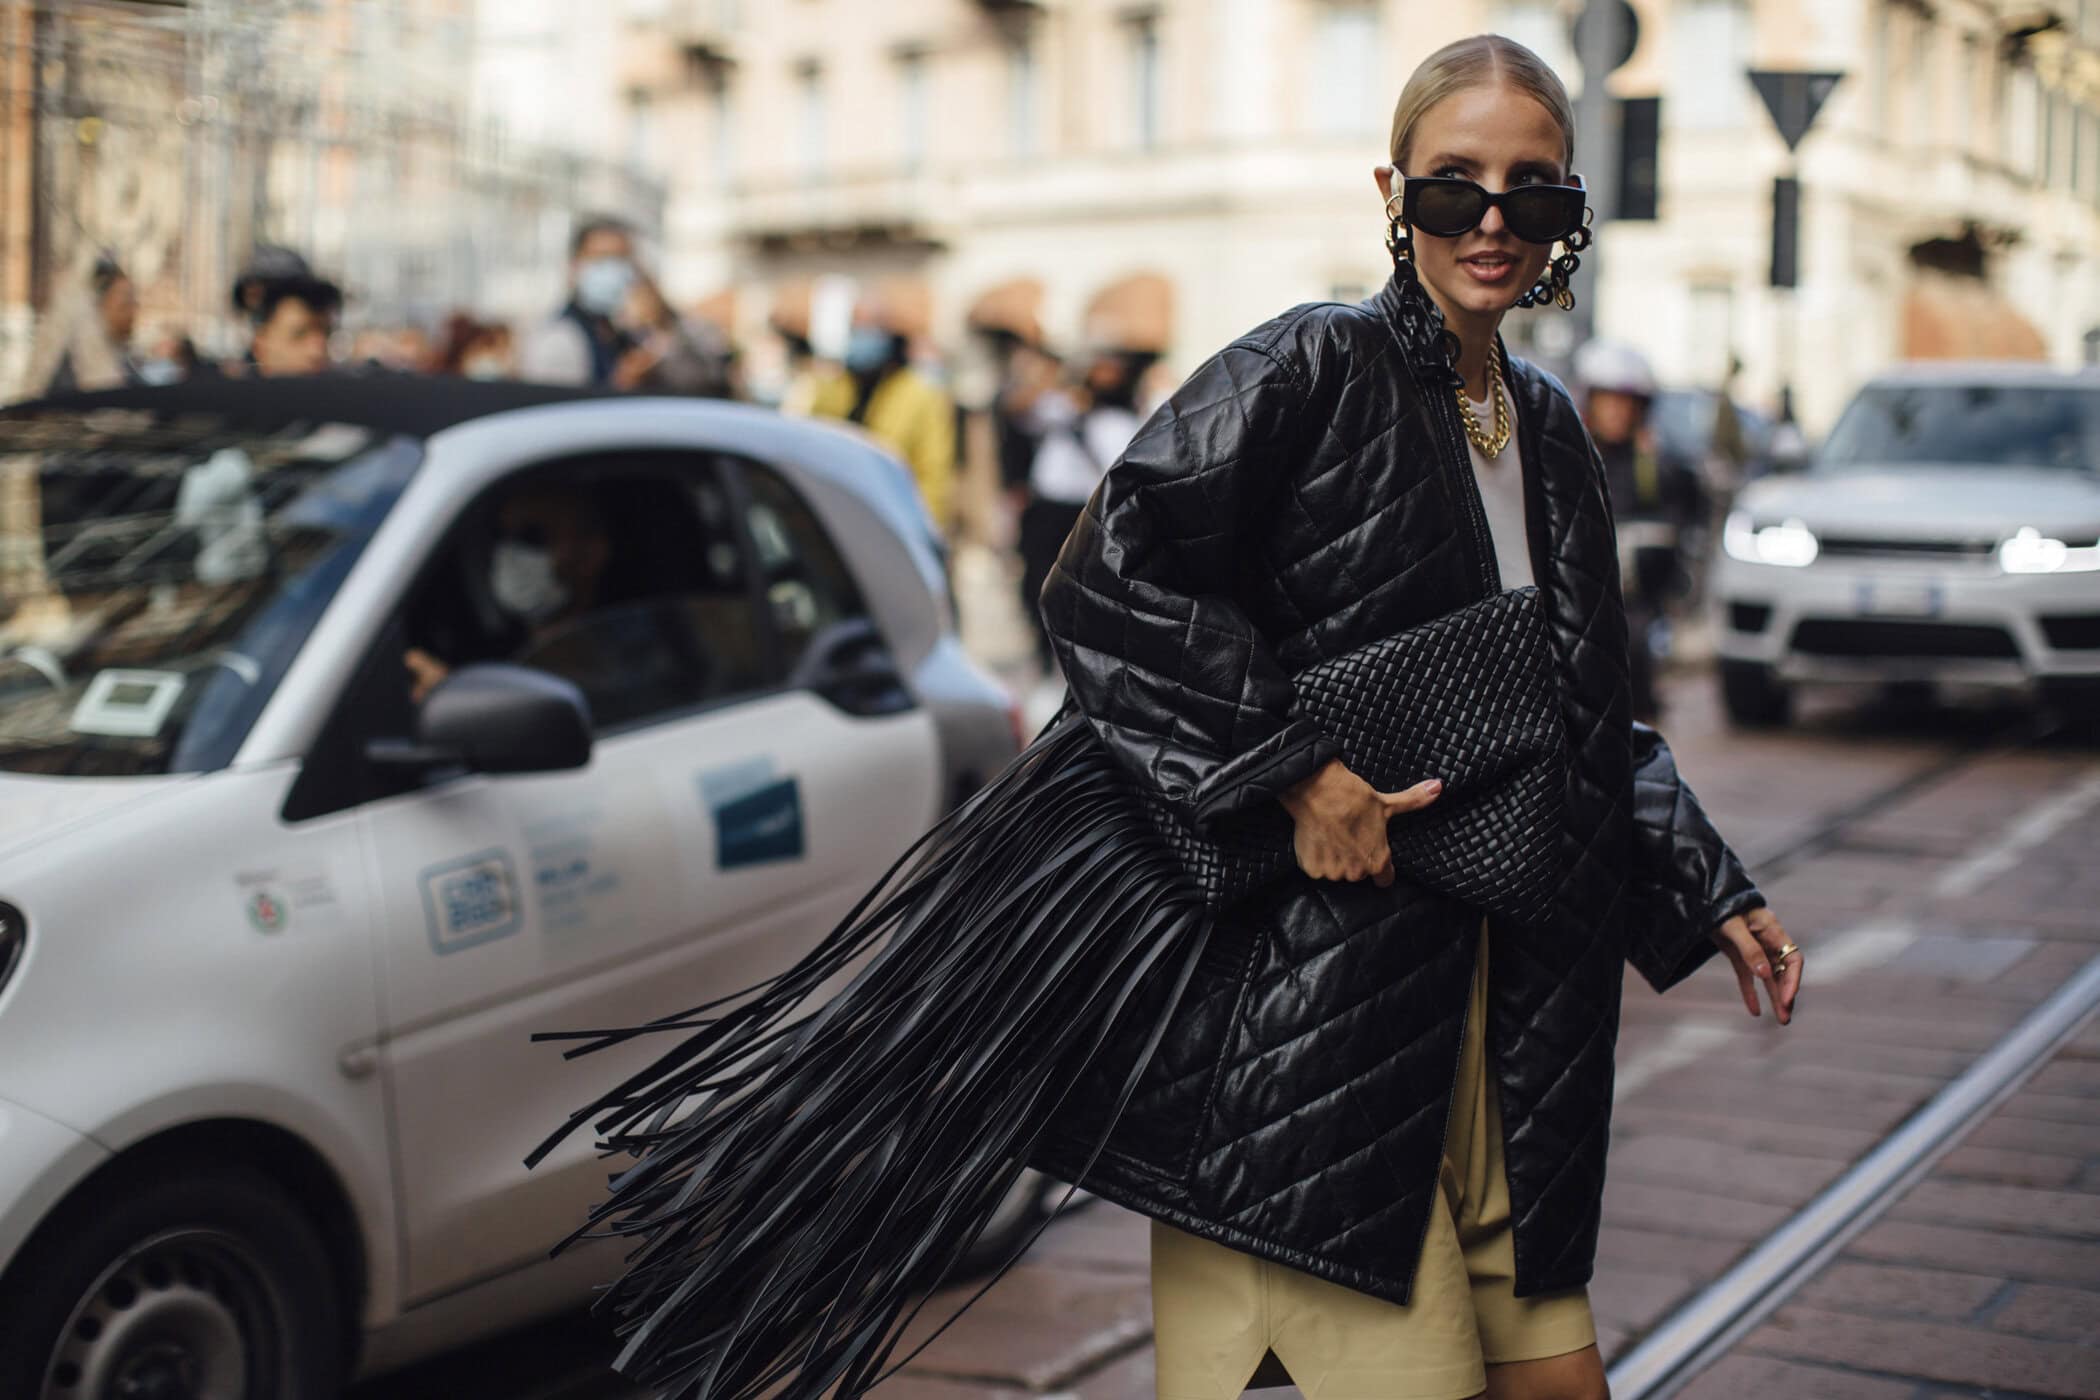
(1900, 597)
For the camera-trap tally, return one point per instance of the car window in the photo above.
(626, 580)
(802, 575)
(158, 577)
(2012, 425)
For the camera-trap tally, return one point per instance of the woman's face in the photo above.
(1498, 137)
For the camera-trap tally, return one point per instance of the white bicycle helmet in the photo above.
(1613, 366)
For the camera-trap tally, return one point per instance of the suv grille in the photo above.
(1821, 636)
(1949, 551)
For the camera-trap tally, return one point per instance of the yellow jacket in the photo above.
(914, 418)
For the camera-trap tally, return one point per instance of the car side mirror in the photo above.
(490, 717)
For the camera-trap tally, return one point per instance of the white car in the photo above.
(1947, 533)
(275, 933)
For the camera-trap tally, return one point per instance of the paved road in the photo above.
(1982, 1280)
(1942, 885)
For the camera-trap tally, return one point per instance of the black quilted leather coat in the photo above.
(1305, 491)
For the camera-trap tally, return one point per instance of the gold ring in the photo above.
(1784, 953)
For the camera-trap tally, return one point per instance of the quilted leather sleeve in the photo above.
(1686, 879)
(1176, 679)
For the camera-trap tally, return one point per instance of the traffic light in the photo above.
(1640, 166)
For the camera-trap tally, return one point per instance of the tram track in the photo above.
(1704, 1327)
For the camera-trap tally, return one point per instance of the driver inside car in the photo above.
(546, 569)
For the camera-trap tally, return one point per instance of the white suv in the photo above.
(1948, 532)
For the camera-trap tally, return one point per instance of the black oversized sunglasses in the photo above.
(1447, 207)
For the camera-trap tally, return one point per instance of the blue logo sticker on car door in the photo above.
(471, 900)
(757, 814)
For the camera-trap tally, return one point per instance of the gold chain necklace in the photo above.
(1490, 447)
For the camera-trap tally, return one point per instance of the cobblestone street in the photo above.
(1937, 867)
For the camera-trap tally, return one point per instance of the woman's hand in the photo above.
(1752, 941)
(1341, 822)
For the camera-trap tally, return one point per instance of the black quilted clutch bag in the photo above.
(1469, 697)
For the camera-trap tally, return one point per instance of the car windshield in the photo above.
(1999, 425)
(157, 577)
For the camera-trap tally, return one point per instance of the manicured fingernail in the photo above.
(1763, 971)
(1436, 784)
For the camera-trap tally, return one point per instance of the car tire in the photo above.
(1034, 1196)
(209, 1282)
(1753, 696)
(2076, 703)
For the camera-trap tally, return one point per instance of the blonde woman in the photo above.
(1372, 1142)
(1368, 1123)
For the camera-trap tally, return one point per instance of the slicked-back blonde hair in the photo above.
(1483, 60)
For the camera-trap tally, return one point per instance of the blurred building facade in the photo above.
(1167, 174)
(178, 134)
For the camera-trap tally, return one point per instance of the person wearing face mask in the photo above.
(544, 571)
(877, 388)
(585, 342)
(474, 349)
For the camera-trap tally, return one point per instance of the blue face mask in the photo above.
(602, 283)
(867, 348)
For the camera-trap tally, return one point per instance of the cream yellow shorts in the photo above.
(1217, 1311)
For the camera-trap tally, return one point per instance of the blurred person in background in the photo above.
(475, 349)
(291, 311)
(85, 343)
(584, 343)
(1031, 371)
(267, 263)
(174, 358)
(877, 388)
(685, 355)
(295, 319)
(1079, 430)
(1729, 441)
(411, 349)
(1653, 498)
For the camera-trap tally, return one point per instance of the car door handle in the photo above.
(850, 665)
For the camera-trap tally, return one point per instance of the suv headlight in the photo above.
(1790, 542)
(14, 935)
(2029, 551)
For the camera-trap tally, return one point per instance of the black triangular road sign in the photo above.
(1793, 99)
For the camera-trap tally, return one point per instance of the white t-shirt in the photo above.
(1065, 471)
(1502, 496)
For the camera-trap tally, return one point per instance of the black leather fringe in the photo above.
(802, 1183)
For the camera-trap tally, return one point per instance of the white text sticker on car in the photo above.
(471, 900)
(127, 704)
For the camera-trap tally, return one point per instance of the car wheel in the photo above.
(1033, 1197)
(208, 1285)
(2076, 702)
(1753, 696)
